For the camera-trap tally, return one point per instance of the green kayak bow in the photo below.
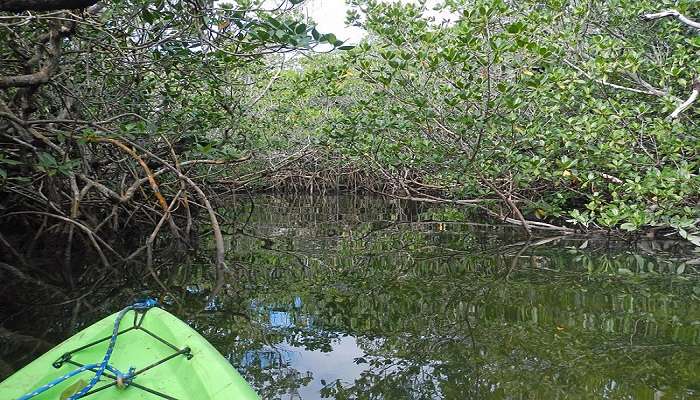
(164, 357)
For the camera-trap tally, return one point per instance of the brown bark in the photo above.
(43, 5)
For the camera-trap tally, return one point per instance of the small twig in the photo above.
(183, 188)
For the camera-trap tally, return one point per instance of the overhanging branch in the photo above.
(43, 5)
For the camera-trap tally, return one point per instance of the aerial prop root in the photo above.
(149, 174)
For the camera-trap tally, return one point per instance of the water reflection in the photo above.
(361, 298)
(323, 368)
(396, 305)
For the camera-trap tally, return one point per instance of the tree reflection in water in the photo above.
(351, 298)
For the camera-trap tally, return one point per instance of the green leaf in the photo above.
(46, 160)
(299, 29)
(694, 239)
(516, 27)
(8, 161)
(262, 34)
(628, 226)
(624, 271)
(147, 16)
(275, 23)
(73, 389)
(328, 37)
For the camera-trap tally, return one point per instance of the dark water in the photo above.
(360, 298)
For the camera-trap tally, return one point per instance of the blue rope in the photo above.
(104, 365)
(68, 376)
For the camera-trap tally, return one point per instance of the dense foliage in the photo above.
(551, 115)
(562, 111)
(114, 118)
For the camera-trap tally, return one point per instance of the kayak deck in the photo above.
(172, 361)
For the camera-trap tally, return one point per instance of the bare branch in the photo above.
(683, 106)
(672, 13)
(651, 91)
(267, 87)
(696, 82)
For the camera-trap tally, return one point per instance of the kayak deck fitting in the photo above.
(157, 368)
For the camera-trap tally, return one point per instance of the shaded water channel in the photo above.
(362, 298)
